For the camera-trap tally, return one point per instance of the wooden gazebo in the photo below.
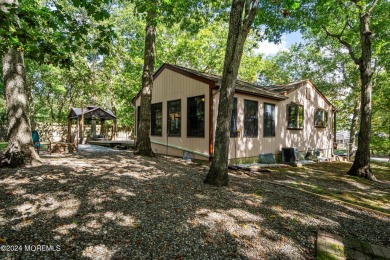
(92, 113)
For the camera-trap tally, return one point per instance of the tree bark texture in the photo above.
(20, 150)
(143, 144)
(241, 18)
(361, 165)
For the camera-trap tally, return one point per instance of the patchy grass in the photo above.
(331, 179)
(324, 255)
(3, 145)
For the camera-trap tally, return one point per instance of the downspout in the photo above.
(334, 129)
(211, 108)
(167, 132)
(135, 124)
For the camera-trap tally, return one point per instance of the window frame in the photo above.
(202, 135)
(233, 119)
(308, 93)
(325, 118)
(151, 119)
(298, 127)
(246, 120)
(273, 119)
(168, 118)
(138, 111)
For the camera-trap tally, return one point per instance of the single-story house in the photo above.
(265, 118)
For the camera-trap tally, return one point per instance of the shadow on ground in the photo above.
(117, 205)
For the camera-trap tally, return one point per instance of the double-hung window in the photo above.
(195, 116)
(174, 118)
(269, 120)
(138, 118)
(233, 120)
(251, 118)
(295, 116)
(320, 118)
(156, 119)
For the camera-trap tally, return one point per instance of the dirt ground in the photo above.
(120, 206)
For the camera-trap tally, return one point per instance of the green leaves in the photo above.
(51, 32)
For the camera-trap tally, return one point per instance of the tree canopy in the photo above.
(92, 52)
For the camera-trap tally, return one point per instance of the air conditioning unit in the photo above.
(290, 155)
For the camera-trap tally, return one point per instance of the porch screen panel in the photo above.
(195, 116)
(250, 118)
(156, 118)
(174, 118)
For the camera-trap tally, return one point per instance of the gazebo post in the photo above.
(93, 127)
(102, 126)
(78, 129)
(114, 130)
(69, 134)
(82, 125)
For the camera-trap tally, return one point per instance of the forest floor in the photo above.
(331, 179)
(117, 205)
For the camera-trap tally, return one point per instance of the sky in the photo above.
(271, 49)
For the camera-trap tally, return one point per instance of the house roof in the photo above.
(290, 87)
(215, 81)
(287, 88)
(241, 86)
(277, 92)
(91, 112)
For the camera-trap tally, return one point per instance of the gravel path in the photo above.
(121, 206)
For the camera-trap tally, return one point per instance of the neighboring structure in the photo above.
(342, 138)
(91, 113)
(265, 119)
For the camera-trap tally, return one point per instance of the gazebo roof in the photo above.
(91, 112)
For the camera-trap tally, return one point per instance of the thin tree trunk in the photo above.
(143, 144)
(20, 150)
(352, 131)
(241, 18)
(361, 165)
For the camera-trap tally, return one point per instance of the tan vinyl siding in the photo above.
(170, 85)
(309, 137)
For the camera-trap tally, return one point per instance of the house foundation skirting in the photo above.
(173, 150)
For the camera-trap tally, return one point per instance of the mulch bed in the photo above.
(117, 205)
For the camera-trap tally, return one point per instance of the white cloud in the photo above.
(268, 48)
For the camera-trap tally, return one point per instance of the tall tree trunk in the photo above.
(20, 150)
(354, 121)
(143, 145)
(361, 165)
(241, 18)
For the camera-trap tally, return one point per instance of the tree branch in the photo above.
(345, 43)
(251, 14)
(372, 8)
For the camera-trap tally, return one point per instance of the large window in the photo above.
(138, 118)
(295, 116)
(250, 118)
(269, 120)
(233, 120)
(174, 118)
(320, 118)
(195, 116)
(156, 117)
